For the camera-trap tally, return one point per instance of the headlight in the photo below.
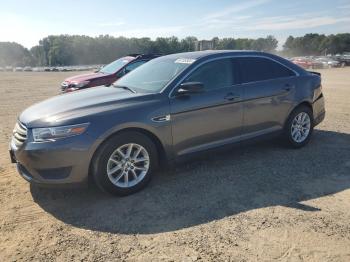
(70, 89)
(54, 133)
(81, 84)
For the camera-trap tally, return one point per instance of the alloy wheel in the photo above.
(300, 128)
(128, 165)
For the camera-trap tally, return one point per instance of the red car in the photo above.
(307, 63)
(107, 74)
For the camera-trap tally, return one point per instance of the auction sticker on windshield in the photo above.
(184, 61)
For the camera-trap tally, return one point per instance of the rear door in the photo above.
(268, 91)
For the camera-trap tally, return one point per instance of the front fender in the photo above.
(105, 126)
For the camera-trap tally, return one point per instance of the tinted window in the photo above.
(114, 66)
(258, 69)
(213, 75)
(134, 65)
(128, 68)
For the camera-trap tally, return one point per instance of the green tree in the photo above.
(13, 54)
(316, 44)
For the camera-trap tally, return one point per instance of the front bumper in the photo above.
(65, 161)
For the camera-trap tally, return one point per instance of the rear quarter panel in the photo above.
(310, 90)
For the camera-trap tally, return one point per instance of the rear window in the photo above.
(254, 69)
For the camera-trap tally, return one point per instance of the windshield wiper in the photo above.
(124, 87)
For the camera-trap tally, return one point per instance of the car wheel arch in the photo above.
(305, 103)
(159, 146)
(302, 103)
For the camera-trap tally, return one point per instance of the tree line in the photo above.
(77, 49)
(13, 54)
(316, 44)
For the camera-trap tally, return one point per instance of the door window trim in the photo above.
(172, 91)
(265, 80)
(219, 88)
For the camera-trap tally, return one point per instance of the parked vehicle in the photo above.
(107, 74)
(328, 62)
(169, 108)
(307, 63)
(344, 59)
(27, 69)
(18, 69)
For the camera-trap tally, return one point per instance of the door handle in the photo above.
(231, 96)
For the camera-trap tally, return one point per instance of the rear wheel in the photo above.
(299, 127)
(124, 163)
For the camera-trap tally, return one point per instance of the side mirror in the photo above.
(190, 88)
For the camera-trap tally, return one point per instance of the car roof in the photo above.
(143, 56)
(207, 54)
(200, 54)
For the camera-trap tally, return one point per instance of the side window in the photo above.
(134, 65)
(255, 69)
(213, 75)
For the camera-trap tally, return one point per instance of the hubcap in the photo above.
(301, 125)
(128, 165)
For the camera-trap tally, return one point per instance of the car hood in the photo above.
(85, 77)
(66, 108)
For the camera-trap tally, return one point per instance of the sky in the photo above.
(28, 21)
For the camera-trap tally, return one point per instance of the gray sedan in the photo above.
(167, 109)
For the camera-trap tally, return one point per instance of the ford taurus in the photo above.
(170, 107)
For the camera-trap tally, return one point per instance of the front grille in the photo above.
(19, 134)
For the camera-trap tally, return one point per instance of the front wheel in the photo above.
(299, 127)
(124, 163)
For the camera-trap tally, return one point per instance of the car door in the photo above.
(268, 91)
(209, 118)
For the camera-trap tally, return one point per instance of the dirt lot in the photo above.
(256, 203)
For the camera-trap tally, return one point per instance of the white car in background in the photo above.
(18, 69)
(328, 62)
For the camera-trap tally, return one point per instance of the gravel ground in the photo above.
(255, 203)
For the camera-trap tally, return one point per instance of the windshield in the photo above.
(155, 75)
(114, 66)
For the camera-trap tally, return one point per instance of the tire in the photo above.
(129, 178)
(290, 134)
